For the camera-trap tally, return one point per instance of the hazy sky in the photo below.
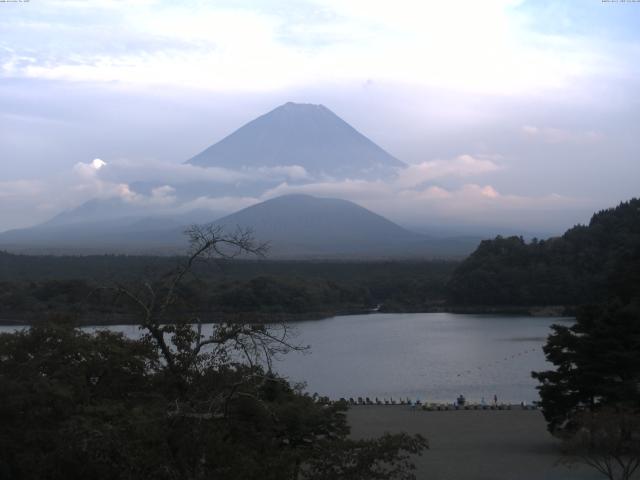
(510, 113)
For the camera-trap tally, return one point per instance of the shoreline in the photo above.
(447, 407)
(103, 320)
(525, 310)
(110, 320)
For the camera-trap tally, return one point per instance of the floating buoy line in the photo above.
(497, 363)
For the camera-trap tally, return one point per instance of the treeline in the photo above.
(577, 268)
(573, 269)
(590, 397)
(32, 288)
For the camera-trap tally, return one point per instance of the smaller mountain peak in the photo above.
(302, 106)
(293, 198)
(296, 195)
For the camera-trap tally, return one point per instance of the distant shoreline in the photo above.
(526, 310)
(100, 320)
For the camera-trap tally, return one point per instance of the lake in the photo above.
(430, 356)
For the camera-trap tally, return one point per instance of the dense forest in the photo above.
(32, 287)
(573, 269)
(175, 403)
(503, 273)
(591, 397)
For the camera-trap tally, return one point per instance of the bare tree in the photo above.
(607, 440)
(184, 348)
(179, 403)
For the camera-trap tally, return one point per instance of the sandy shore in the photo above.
(474, 445)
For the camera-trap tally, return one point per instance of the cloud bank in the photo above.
(499, 47)
(441, 85)
(414, 196)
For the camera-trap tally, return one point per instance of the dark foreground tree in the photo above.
(607, 439)
(597, 363)
(182, 402)
(592, 398)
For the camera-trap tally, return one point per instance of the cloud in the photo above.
(426, 194)
(86, 181)
(97, 164)
(461, 166)
(471, 203)
(34, 201)
(89, 170)
(160, 196)
(293, 172)
(225, 204)
(494, 47)
(19, 188)
(130, 171)
(476, 204)
(343, 189)
(31, 201)
(411, 197)
(441, 77)
(557, 135)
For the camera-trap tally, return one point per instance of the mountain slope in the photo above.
(296, 226)
(294, 143)
(160, 234)
(306, 226)
(310, 136)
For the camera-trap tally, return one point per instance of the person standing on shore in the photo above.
(495, 399)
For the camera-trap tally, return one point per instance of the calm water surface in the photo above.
(431, 356)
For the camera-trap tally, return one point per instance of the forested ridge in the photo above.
(33, 287)
(572, 269)
(591, 397)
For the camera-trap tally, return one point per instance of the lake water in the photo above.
(431, 356)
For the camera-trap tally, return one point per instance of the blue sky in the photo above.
(546, 92)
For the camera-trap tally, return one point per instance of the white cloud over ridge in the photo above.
(558, 135)
(461, 166)
(177, 173)
(409, 197)
(469, 204)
